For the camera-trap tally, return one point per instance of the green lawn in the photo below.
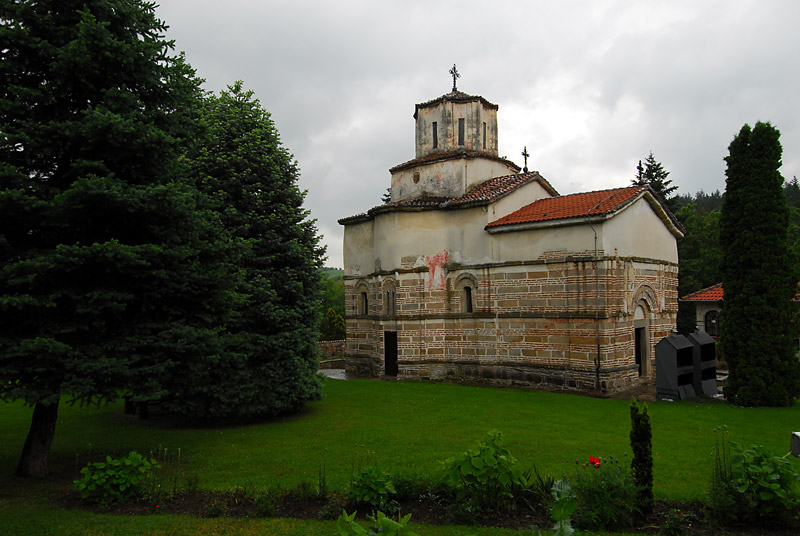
(400, 425)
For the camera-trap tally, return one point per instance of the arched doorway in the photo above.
(713, 323)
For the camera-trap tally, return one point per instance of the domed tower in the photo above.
(456, 148)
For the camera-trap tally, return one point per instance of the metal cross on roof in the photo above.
(455, 74)
(525, 155)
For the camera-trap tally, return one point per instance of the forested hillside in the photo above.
(700, 252)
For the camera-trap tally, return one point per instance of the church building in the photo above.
(476, 271)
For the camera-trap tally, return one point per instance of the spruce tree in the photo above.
(269, 363)
(654, 175)
(109, 274)
(759, 274)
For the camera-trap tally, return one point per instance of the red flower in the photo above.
(594, 461)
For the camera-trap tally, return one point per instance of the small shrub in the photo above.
(485, 474)
(642, 447)
(768, 487)
(607, 495)
(331, 509)
(752, 485)
(265, 508)
(677, 523)
(115, 479)
(535, 490)
(371, 487)
(215, 508)
(411, 486)
(265, 502)
(346, 525)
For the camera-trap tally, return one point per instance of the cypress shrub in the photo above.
(642, 463)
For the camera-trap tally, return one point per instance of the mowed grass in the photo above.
(402, 426)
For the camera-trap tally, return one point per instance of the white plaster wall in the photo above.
(522, 196)
(420, 234)
(358, 248)
(638, 231)
(447, 178)
(534, 243)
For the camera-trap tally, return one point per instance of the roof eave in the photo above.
(562, 222)
(664, 214)
(453, 155)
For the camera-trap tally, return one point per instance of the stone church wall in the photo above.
(535, 323)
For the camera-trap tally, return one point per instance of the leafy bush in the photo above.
(347, 525)
(114, 479)
(371, 487)
(752, 485)
(485, 474)
(607, 495)
(768, 486)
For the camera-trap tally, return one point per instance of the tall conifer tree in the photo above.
(759, 274)
(109, 274)
(269, 365)
(654, 175)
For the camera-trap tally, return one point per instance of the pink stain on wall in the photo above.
(437, 274)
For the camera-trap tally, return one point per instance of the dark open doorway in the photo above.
(390, 352)
(639, 347)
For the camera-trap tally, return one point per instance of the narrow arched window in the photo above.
(390, 302)
(461, 131)
(466, 288)
(364, 304)
(435, 128)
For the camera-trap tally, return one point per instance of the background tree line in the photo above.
(332, 324)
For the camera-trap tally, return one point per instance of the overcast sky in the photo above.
(590, 87)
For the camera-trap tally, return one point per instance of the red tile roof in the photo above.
(497, 187)
(715, 293)
(712, 293)
(483, 193)
(572, 206)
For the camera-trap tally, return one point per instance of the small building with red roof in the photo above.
(708, 306)
(479, 271)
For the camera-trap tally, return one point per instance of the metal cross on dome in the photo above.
(525, 155)
(455, 74)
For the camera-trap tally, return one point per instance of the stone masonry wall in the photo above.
(533, 324)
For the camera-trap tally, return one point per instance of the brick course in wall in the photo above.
(533, 324)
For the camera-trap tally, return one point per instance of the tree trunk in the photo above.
(36, 452)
